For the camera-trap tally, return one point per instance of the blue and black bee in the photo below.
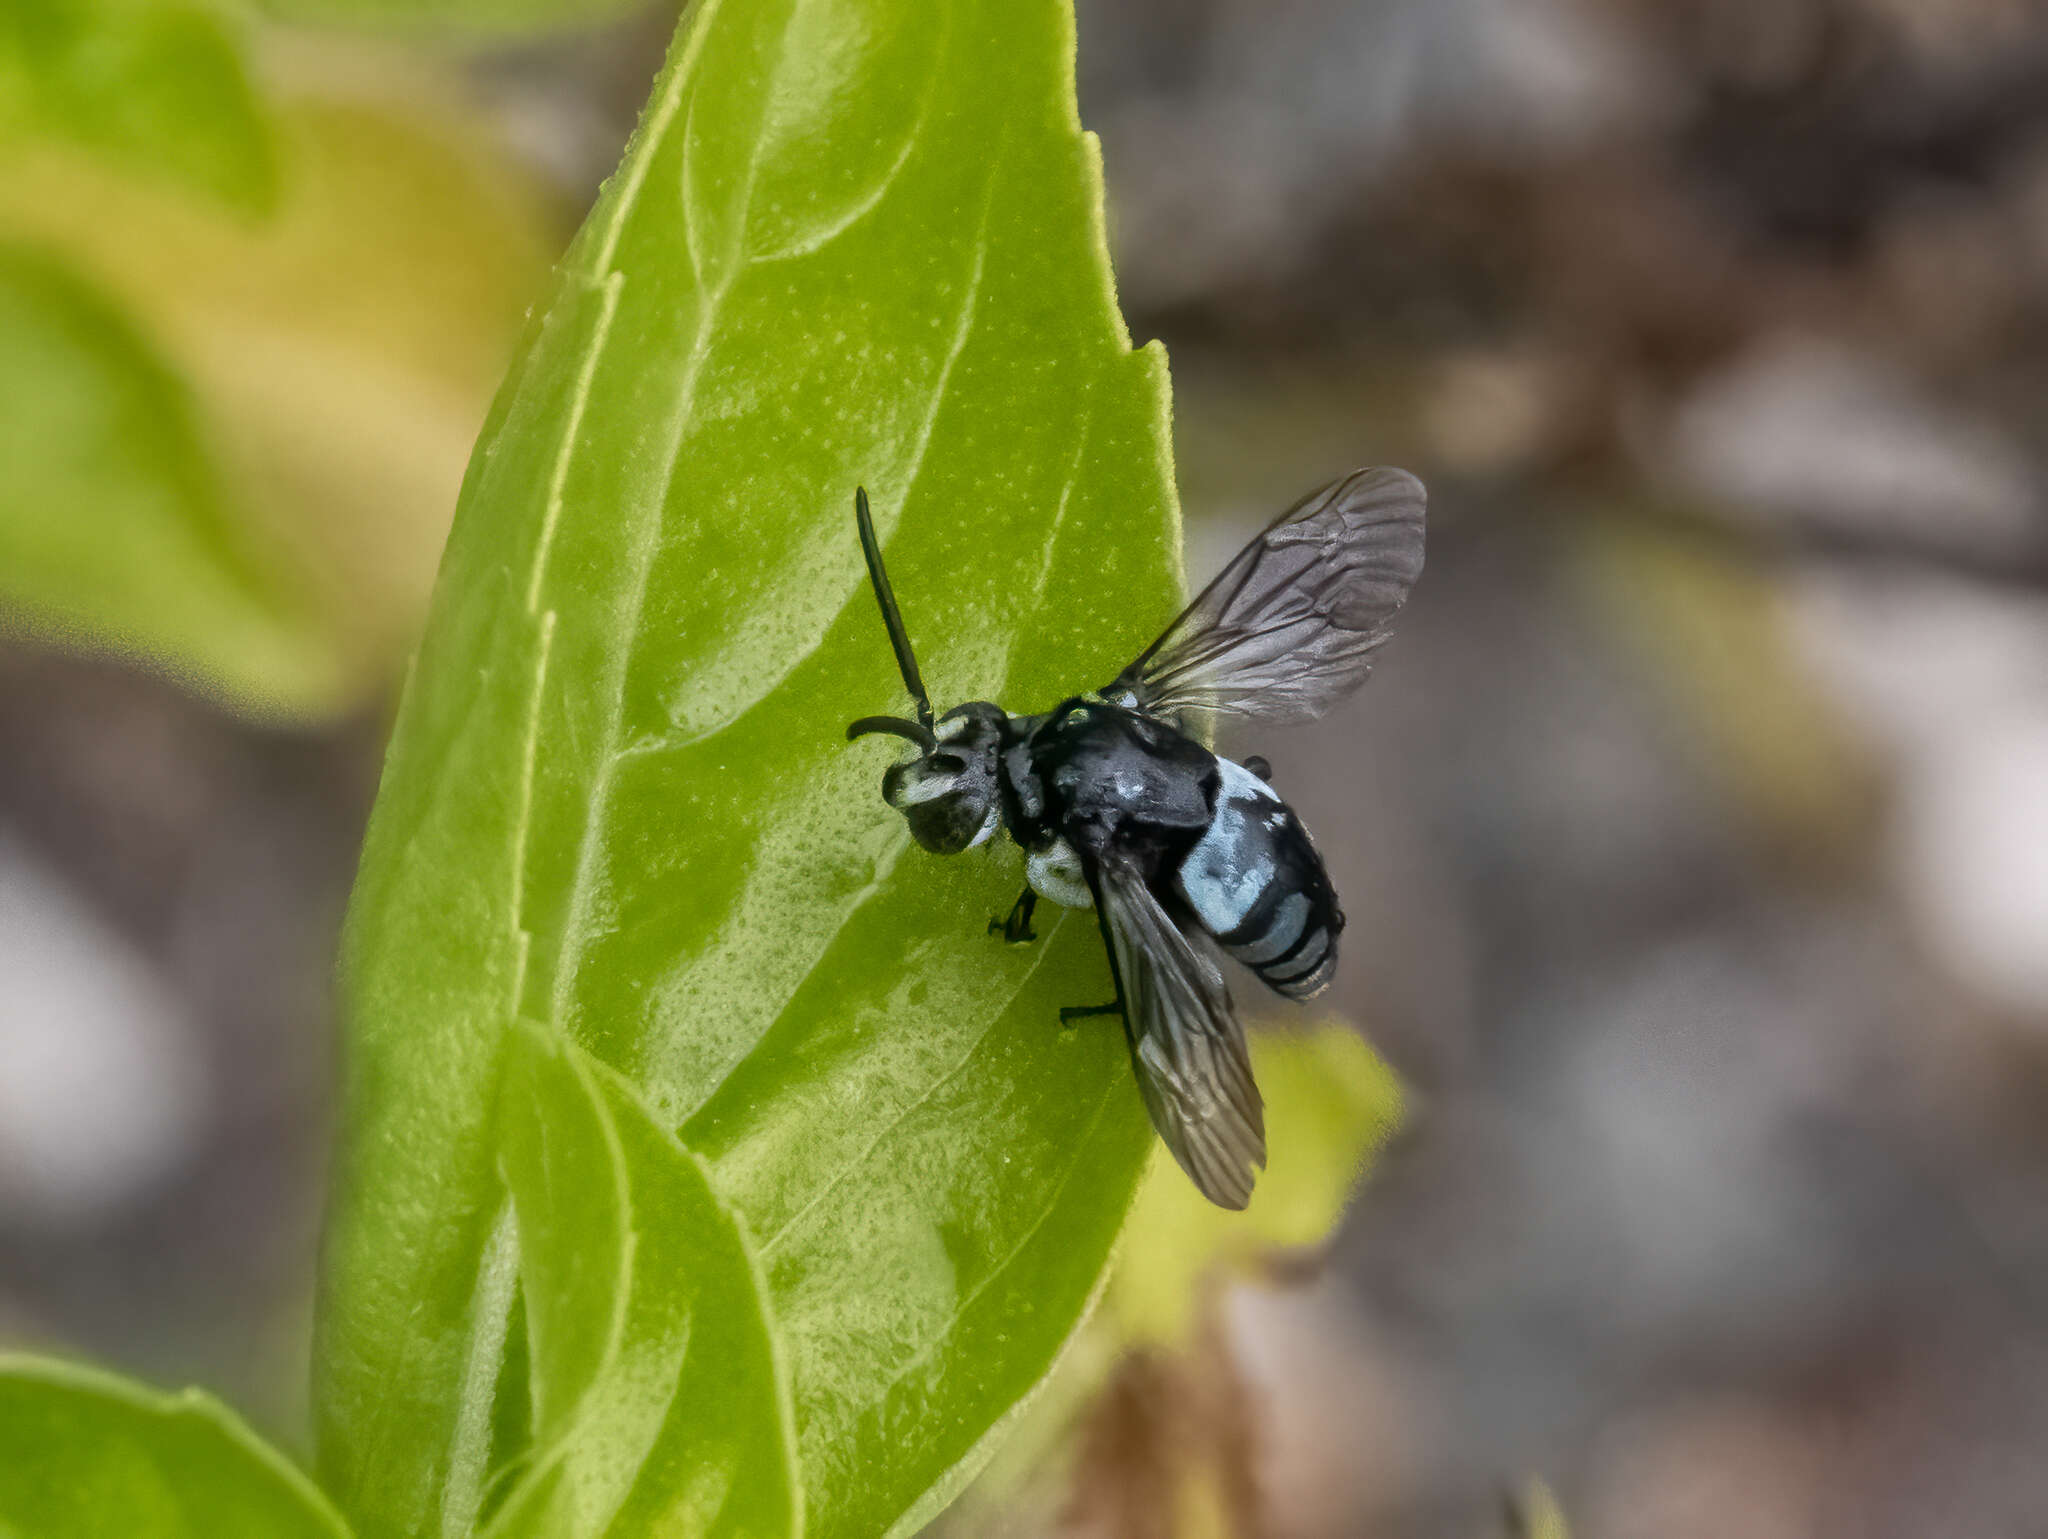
(1119, 809)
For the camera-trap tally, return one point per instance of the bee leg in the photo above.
(1016, 927)
(1072, 1013)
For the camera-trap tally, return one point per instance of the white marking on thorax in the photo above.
(1224, 874)
(1057, 875)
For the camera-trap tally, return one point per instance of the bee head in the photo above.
(948, 792)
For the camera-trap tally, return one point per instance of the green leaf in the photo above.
(114, 528)
(658, 1404)
(88, 1455)
(446, 16)
(854, 241)
(157, 86)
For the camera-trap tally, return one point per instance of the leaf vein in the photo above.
(1052, 1202)
(969, 306)
(963, 330)
(572, 428)
(646, 542)
(827, 231)
(523, 818)
(490, 1318)
(568, 1433)
(904, 1114)
(1059, 515)
(635, 174)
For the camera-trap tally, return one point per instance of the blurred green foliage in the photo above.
(455, 17)
(156, 86)
(236, 424)
(90, 1456)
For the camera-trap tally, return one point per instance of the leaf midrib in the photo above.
(867, 893)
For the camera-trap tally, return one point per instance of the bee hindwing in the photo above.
(1186, 1044)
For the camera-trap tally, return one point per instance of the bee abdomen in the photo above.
(1255, 882)
(1291, 945)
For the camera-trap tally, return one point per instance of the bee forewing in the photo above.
(1187, 1046)
(1290, 625)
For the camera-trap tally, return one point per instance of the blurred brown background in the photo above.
(1694, 831)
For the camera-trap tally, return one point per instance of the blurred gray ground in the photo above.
(171, 885)
(1694, 831)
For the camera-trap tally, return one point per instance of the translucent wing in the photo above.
(1290, 626)
(1186, 1044)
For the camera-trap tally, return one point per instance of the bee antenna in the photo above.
(892, 617)
(918, 734)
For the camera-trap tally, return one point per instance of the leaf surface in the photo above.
(88, 1455)
(854, 241)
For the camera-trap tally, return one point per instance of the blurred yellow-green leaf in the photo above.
(156, 86)
(456, 16)
(1330, 1104)
(1535, 1513)
(114, 525)
(1710, 629)
(325, 374)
